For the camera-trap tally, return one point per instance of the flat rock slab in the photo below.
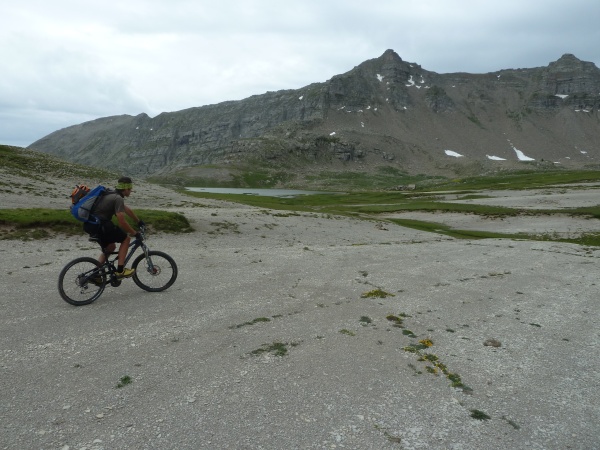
(201, 356)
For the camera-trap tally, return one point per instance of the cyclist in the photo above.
(112, 203)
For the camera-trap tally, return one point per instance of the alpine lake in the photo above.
(282, 193)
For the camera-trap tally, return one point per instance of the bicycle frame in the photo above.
(132, 249)
(109, 268)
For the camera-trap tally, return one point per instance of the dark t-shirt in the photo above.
(108, 205)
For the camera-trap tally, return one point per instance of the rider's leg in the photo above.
(122, 253)
(109, 249)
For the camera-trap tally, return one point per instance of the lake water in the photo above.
(262, 192)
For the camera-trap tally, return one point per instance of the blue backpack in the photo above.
(84, 200)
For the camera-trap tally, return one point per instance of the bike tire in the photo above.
(73, 286)
(157, 274)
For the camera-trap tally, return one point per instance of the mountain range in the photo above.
(385, 112)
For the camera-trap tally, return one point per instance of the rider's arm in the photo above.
(131, 214)
(123, 223)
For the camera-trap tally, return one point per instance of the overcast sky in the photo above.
(69, 61)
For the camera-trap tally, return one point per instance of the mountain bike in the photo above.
(84, 279)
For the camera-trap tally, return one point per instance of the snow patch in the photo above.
(521, 156)
(332, 133)
(495, 158)
(380, 77)
(301, 97)
(453, 153)
(563, 96)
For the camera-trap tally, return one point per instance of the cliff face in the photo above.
(384, 111)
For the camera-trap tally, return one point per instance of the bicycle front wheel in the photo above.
(157, 273)
(81, 281)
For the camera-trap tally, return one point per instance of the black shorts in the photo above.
(107, 231)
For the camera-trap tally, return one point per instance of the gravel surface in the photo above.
(516, 322)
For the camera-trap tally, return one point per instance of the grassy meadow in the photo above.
(359, 195)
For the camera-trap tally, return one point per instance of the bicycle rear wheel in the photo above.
(81, 282)
(157, 273)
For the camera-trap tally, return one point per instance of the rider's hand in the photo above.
(138, 236)
(141, 224)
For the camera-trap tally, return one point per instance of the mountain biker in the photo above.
(113, 204)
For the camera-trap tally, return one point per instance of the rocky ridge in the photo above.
(384, 112)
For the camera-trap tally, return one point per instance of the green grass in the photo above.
(39, 166)
(356, 203)
(164, 221)
(435, 227)
(38, 223)
(370, 204)
(585, 239)
(521, 180)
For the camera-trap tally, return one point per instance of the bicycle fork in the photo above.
(150, 267)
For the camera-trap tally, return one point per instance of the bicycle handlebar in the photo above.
(142, 231)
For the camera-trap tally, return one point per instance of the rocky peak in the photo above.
(569, 75)
(390, 55)
(569, 62)
(375, 82)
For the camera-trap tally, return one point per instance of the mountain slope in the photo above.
(384, 112)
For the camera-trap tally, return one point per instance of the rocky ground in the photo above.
(515, 322)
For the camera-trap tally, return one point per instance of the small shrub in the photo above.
(364, 321)
(479, 415)
(277, 348)
(124, 381)
(376, 293)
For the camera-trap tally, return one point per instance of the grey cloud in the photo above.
(71, 62)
